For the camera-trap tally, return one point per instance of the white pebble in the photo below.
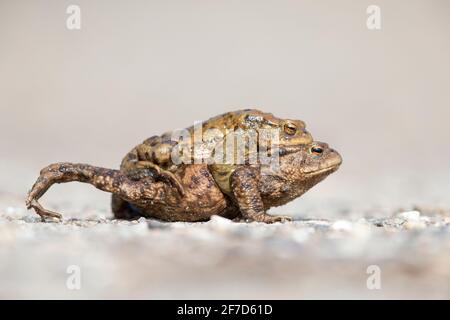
(342, 225)
(220, 220)
(410, 215)
(220, 223)
(142, 220)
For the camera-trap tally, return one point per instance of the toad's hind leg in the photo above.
(108, 180)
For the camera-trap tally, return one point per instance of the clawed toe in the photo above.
(284, 219)
(43, 213)
(272, 219)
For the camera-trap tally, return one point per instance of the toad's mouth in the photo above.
(327, 170)
(283, 150)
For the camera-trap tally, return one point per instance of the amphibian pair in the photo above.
(150, 184)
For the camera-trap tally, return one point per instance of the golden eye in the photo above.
(290, 128)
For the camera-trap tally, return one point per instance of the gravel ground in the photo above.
(308, 258)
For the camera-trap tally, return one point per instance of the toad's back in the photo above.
(159, 149)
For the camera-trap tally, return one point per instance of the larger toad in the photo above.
(181, 179)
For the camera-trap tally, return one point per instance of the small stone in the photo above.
(220, 223)
(142, 220)
(410, 215)
(342, 225)
(220, 220)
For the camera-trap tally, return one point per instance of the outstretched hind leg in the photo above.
(108, 180)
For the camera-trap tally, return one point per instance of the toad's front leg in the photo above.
(108, 180)
(141, 169)
(244, 185)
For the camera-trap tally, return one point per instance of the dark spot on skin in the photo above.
(150, 173)
(285, 188)
(109, 173)
(246, 185)
(210, 183)
(254, 118)
(152, 142)
(166, 137)
(195, 180)
(132, 156)
(171, 143)
(204, 172)
(249, 174)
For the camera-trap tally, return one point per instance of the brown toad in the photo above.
(154, 182)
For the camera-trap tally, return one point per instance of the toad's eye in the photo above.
(290, 128)
(316, 150)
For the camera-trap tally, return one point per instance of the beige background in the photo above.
(139, 68)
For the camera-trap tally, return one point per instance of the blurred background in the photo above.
(140, 68)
